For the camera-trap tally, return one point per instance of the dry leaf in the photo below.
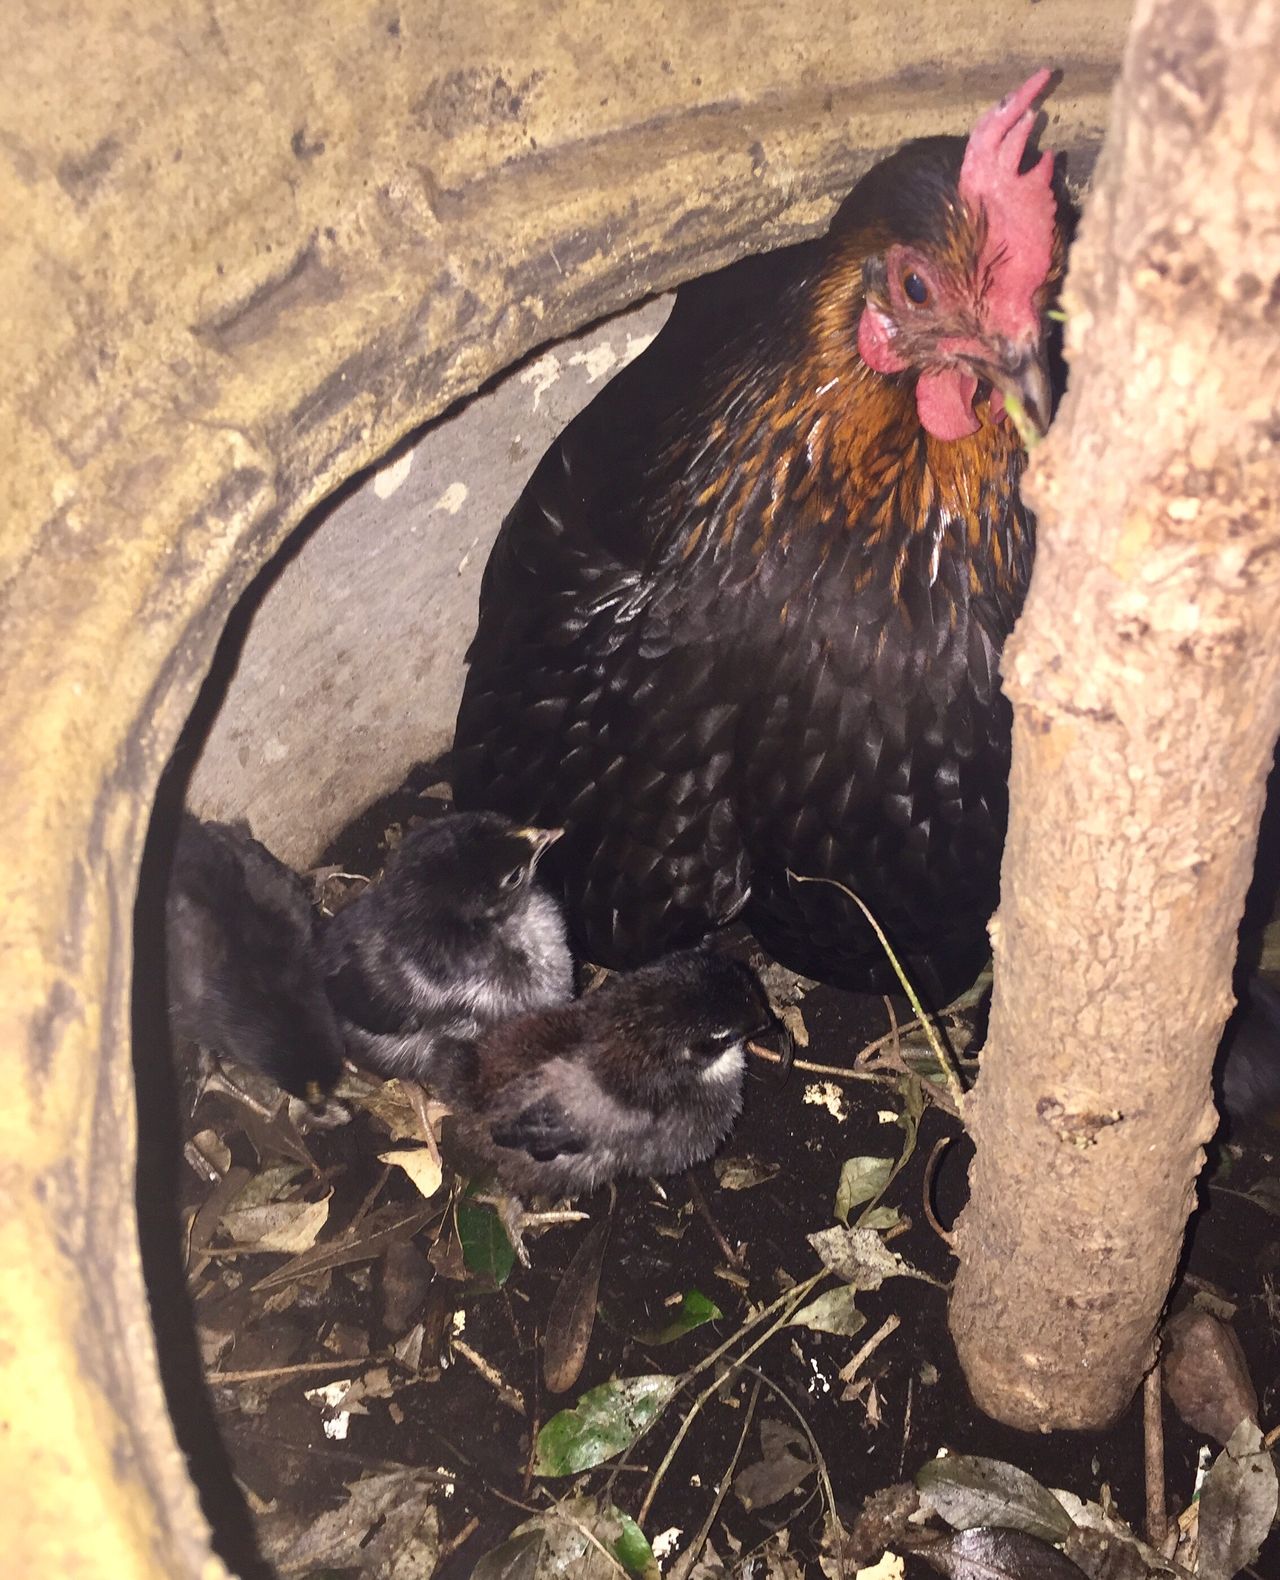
(421, 1165)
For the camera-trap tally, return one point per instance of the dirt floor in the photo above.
(381, 1371)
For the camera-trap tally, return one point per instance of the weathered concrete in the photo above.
(351, 669)
(244, 252)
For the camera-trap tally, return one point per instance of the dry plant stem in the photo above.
(808, 1067)
(360, 1363)
(734, 1258)
(926, 1191)
(722, 1491)
(1153, 1457)
(417, 1096)
(1144, 674)
(787, 1303)
(451, 1545)
(935, 1042)
(819, 1462)
(887, 1328)
(509, 1395)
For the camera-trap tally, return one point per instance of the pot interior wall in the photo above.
(345, 664)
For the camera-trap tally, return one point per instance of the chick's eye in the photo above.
(513, 878)
(916, 290)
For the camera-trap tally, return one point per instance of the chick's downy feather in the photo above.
(643, 1076)
(454, 937)
(243, 966)
(747, 615)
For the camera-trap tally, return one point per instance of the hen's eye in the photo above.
(514, 878)
(917, 291)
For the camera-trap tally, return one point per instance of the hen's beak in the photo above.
(1021, 375)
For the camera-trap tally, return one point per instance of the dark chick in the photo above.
(454, 937)
(243, 967)
(1249, 1059)
(747, 615)
(643, 1076)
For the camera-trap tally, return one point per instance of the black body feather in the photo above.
(643, 1076)
(747, 616)
(454, 937)
(242, 964)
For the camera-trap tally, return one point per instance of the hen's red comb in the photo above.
(1020, 208)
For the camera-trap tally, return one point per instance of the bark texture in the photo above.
(1145, 678)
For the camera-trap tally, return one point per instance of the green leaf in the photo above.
(632, 1549)
(485, 1247)
(604, 1422)
(880, 1218)
(695, 1309)
(861, 1179)
(832, 1312)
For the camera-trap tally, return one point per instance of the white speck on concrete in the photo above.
(596, 360)
(542, 374)
(453, 499)
(274, 750)
(388, 478)
(826, 1094)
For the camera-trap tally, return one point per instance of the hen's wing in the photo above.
(602, 694)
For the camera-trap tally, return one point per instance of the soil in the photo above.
(459, 1403)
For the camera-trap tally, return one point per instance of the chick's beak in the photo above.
(1021, 375)
(539, 839)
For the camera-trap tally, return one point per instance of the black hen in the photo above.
(747, 615)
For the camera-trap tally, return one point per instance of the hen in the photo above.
(746, 617)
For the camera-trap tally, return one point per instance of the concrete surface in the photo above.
(352, 665)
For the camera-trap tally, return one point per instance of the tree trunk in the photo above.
(1145, 679)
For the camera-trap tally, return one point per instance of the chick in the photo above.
(1248, 1073)
(643, 1076)
(243, 967)
(454, 938)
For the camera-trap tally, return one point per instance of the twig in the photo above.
(906, 1423)
(789, 1303)
(954, 1083)
(491, 1375)
(696, 1545)
(350, 1364)
(849, 1370)
(1153, 1457)
(417, 1096)
(374, 1191)
(454, 1542)
(577, 1525)
(734, 1258)
(839, 1071)
(926, 1192)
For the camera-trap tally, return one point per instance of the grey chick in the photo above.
(242, 962)
(455, 937)
(643, 1076)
